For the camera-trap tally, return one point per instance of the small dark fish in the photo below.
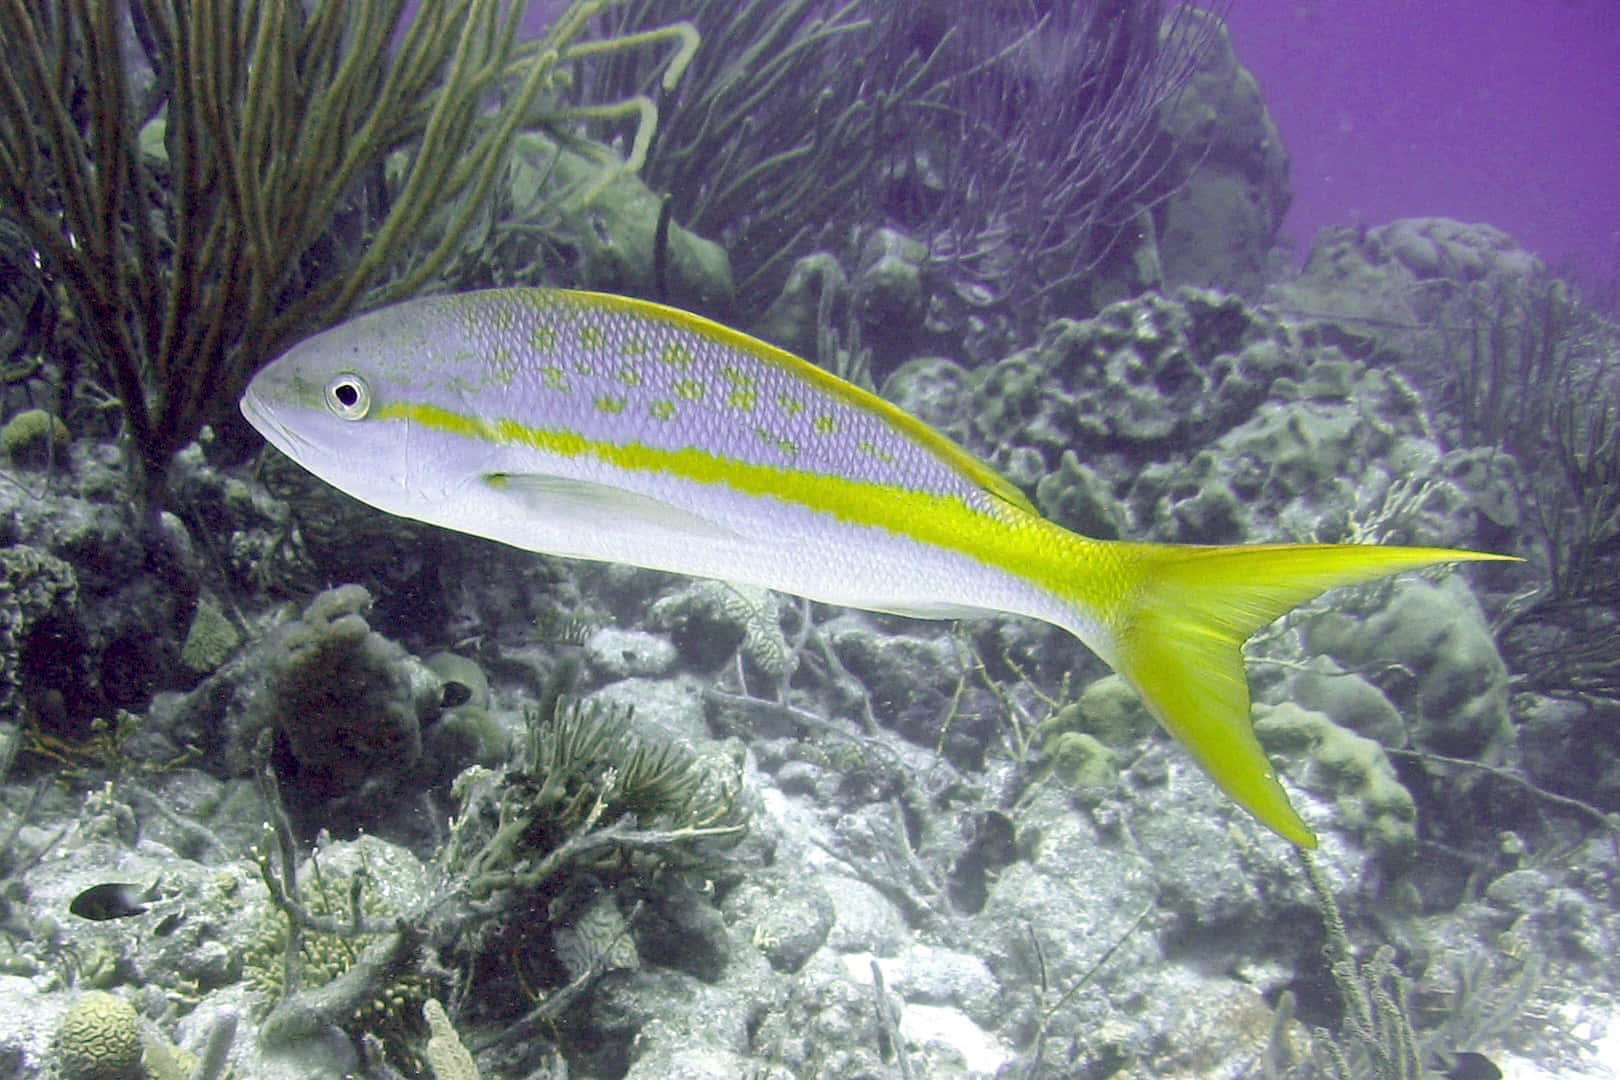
(110, 900)
(1468, 1065)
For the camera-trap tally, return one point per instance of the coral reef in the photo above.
(616, 824)
(237, 208)
(1219, 226)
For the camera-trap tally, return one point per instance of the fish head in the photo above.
(340, 403)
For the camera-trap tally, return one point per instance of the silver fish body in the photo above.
(602, 427)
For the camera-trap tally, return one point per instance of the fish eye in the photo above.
(348, 396)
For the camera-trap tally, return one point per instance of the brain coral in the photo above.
(99, 1039)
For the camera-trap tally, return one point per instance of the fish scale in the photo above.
(622, 379)
(604, 427)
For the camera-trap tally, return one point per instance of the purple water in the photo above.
(1501, 111)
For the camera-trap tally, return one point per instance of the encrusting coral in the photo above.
(34, 436)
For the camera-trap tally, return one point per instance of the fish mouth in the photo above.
(274, 431)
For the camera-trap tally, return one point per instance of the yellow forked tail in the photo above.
(1178, 633)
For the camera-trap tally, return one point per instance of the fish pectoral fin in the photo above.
(594, 504)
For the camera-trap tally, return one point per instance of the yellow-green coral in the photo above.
(1082, 761)
(33, 436)
(210, 640)
(323, 957)
(1353, 770)
(446, 1056)
(1108, 710)
(99, 1039)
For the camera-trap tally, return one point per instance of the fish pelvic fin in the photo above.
(1178, 629)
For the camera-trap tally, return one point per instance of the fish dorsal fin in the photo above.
(593, 505)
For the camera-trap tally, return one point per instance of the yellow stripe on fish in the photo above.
(603, 427)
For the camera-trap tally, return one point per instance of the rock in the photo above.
(700, 1063)
(789, 919)
(1220, 225)
(618, 654)
(1519, 891)
(943, 1041)
(664, 708)
(864, 920)
(912, 682)
(943, 978)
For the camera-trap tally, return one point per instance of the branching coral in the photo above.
(1021, 142)
(584, 786)
(1048, 145)
(285, 960)
(740, 150)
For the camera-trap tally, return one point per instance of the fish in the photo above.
(112, 900)
(1468, 1065)
(595, 426)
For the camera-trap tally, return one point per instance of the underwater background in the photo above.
(296, 789)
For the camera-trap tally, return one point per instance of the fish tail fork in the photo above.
(1178, 628)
